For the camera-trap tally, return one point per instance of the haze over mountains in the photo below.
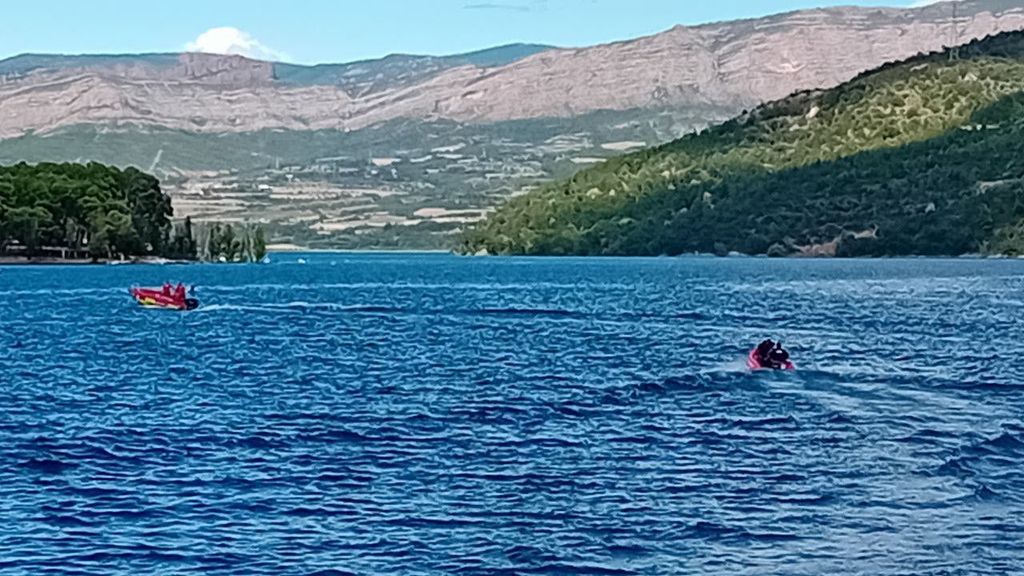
(443, 136)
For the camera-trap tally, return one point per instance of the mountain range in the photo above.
(405, 150)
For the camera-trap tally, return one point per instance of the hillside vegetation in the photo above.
(919, 157)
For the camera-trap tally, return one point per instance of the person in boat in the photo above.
(167, 289)
(179, 293)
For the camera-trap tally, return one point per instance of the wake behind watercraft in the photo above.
(769, 355)
(165, 298)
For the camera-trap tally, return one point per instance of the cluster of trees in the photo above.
(897, 161)
(100, 210)
(217, 242)
(229, 243)
(104, 212)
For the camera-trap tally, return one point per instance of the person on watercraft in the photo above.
(179, 293)
(769, 355)
(167, 289)
(778, 358)
(763, 352)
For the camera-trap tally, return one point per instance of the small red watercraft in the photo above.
(758, 361)
(166, 298)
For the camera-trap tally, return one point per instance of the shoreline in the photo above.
(16, 261)
(47, 261)
(271, 250)
(50, 261)
(154, 261)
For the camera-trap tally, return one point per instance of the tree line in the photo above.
(106, 213)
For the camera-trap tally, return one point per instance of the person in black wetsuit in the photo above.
(763, 352)
(778, 358)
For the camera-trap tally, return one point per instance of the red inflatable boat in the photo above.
(166, 298)
(754, 363)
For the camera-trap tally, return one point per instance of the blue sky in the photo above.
(311, 31)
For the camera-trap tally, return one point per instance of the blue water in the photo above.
(437, 415)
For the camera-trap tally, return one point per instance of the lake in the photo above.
(428, 414)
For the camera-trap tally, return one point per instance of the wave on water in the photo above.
(736, 366)
(404, 285)
(48, 465)
(62, 292)
(683, 385)
(1004, 448)
(509, 312)
(374, 309)
(992, 465)
(299, 306)
(524, 312)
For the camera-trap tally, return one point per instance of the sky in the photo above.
(316, 31)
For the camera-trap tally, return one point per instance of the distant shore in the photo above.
(57, 261)
(53, 261)
(19, 260)
(293, 248)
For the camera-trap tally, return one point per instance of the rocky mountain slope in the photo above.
(732, 64)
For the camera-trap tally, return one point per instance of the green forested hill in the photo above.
(919, 157)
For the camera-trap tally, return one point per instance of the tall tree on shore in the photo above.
(259, 245)
(25, 223)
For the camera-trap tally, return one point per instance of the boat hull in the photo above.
(151, 298)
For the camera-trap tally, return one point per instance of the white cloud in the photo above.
(229, 40)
